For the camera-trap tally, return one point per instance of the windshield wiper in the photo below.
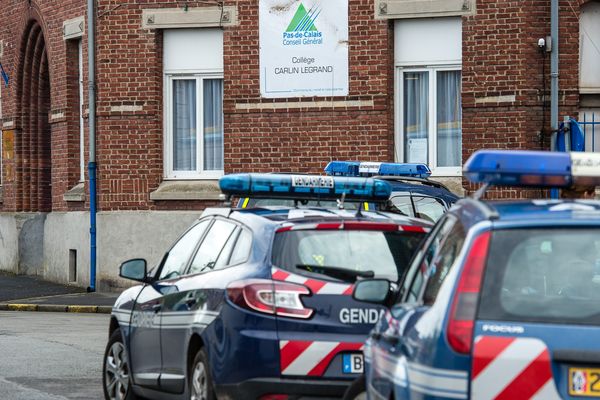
(336, 272)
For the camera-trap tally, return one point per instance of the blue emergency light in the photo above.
(304, 187)
(533, 168)
(356, 168)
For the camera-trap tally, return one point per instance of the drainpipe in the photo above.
(92, 146)
(554, 73)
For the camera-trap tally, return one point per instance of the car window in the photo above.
(179, 255)
(223, 259)
(402, 205)
(543, 275)
(242, 248)
(443, 261)
(429, 208)
(420, 267)
(211, 246)
(345, 254)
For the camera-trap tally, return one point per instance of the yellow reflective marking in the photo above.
(366, 206)
(245, 203)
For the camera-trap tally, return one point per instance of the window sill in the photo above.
(76, 193)
(187, 190)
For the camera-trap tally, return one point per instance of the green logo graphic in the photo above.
(304, 21)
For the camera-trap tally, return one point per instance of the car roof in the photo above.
(277, 215)
(421, 186)
(528, 212)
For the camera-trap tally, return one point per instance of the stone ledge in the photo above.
(77, 193)
(198, 17)
(400, 9)
(187, 190)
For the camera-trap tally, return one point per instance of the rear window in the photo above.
(345, 255)
(543, 275)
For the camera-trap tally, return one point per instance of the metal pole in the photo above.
(92, 147)
(554, 72)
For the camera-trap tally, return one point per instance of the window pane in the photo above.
(449, 116)
(184, 125)
(328, 253)
(213, 124)
(429, 208)
(242, 248)
(211, 246)
(181, 252)
(543, 275)
(416, 110)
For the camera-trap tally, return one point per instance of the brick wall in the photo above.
(502, 95)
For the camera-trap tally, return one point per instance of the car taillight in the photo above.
(270, 297)
(464, 305)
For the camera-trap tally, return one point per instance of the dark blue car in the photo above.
(256, 303)
(501, 300)
(414, 194)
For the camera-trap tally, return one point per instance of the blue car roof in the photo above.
(401, 186)
(529, 212)
(279, 214)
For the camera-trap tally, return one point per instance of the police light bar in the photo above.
(533, 168)
(304, 187)
(355, 168)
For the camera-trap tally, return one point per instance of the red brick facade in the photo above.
(500, 60)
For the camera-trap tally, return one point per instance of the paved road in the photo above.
(51, 356)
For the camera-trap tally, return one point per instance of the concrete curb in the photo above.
(56, 308)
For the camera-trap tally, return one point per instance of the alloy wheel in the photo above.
(117, 372)
(199, 382)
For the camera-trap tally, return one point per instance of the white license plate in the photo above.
(352, 363)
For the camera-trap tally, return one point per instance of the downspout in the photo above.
(554, 73)
(92, 146)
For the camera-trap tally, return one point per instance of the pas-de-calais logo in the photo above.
(578, 381)
(302, 29)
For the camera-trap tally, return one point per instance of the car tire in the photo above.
(200, 380)
(116, 378)
(357, 390)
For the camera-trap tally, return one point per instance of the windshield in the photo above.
(425, 207)
(328, 253)
(543, 275)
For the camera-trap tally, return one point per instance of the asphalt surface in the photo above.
(14, 287)
(27, 290)
(51, 356)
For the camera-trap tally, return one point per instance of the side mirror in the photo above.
(372, 290)
(134, 269)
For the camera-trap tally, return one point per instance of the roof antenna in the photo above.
(340, 201)
(481, 191)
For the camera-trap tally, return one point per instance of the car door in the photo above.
(186, 306)
(145, 333)
(399, 342)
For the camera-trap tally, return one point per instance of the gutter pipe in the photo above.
(92, 139)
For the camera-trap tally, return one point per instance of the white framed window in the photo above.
(589, 48)
(193, 81)
(428, 115)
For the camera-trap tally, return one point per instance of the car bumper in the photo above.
(296, 388)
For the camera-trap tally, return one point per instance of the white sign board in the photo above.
(303, 48)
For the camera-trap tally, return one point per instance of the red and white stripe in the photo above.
(310, 358)
(316, 286)
(510, 368)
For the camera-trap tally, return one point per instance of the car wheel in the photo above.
(357, 390)
(201, 387)
(116, 380)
